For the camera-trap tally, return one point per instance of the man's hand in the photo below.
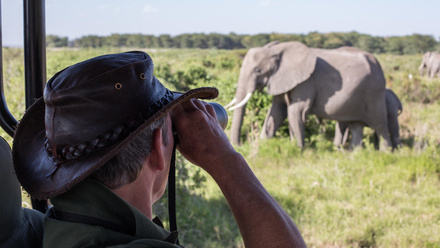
(201, 139)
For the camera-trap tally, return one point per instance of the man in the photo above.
(99, 145)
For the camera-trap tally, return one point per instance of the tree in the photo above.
(314, 39)
(184, 41)
(417, 43)
(116, 40)
(394, 44)
(371, 44)
(150, 41)
(166, 41)
(286, 37)
(89, 41)
(199, 41)
(333, 40)
(134, 40)
(256, 40)
(236, 41)
(56, 41)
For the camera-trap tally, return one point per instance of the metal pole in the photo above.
(34, 49)
(34, 60)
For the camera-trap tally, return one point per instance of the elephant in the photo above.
(344, 84)
(394, 109)
(430, 62)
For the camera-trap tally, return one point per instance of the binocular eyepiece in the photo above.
(222, 115)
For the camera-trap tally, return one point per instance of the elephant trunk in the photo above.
(241, 96)
(237, 121)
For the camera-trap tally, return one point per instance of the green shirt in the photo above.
(94, 202)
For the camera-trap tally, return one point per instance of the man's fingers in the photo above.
(211, 110)
(205, 107)
(199, 104)
(188, 105)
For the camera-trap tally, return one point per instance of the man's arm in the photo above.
(262, 222)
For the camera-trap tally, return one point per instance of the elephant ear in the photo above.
(296, 63)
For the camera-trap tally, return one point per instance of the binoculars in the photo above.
(222, 115)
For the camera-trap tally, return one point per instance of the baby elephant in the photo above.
(394, 108)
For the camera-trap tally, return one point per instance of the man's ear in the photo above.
(157, 157)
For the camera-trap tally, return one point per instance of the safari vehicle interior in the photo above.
(19, 226)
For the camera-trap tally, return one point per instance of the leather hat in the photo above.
(88, 112)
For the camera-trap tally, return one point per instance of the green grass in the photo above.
(363, 198)
(338, 198)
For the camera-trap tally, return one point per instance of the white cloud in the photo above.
(149, 9)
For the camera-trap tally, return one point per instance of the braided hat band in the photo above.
(61, 154)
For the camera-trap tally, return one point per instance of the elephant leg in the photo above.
(383, 135)
(338, 134)
(357, 134)
(436, 71)
(296, 114)
(393, 127)
(341, 133)
(274, 118)
(377, 119)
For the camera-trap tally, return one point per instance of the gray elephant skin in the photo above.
(430, 63)
(344, 84)
(394, 109)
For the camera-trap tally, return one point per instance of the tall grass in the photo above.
(360, 198)
(338, 198)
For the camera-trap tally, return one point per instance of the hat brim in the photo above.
(43, 178)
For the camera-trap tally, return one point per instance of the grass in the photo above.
(338, 198)
(363, 198)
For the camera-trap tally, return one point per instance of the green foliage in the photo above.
(411, 44)
(56, 41)
(314, 39)
(255, 40)
(334, 40)
(371, 44)
(13, 83)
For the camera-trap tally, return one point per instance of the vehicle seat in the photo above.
(19, 227)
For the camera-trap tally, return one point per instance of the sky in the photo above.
(74, 19)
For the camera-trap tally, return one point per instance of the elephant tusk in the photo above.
(242, 103)
(230, 104)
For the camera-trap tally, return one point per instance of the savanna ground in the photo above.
(338, 198)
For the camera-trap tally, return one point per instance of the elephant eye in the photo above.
(257, 70)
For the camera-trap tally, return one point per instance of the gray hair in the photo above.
(124, 167)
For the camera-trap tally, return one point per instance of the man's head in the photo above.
(125, 166)
(90, 112)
